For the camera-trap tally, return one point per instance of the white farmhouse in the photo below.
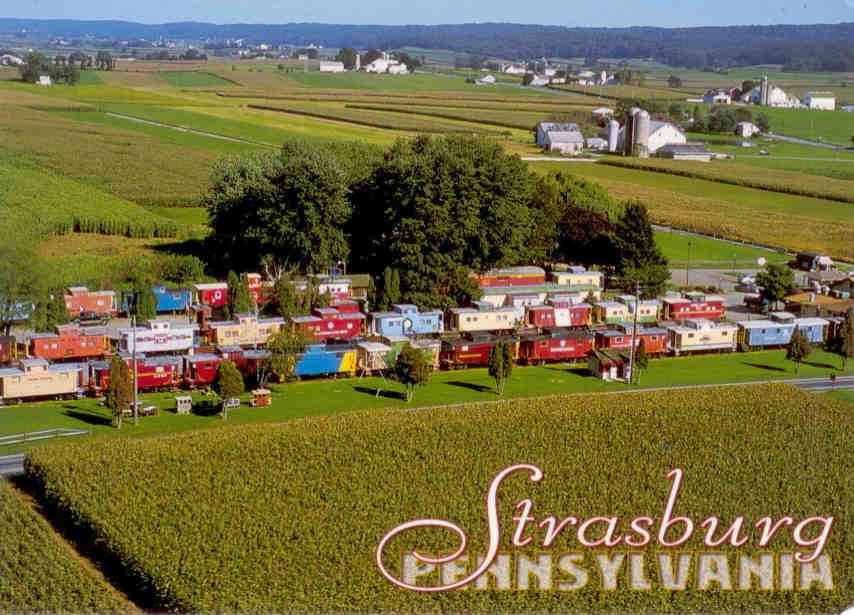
(513, 69)
(45, 80)
(717, 97)
(331, 67)
(385, 64)
(824, 101)
(747, 129)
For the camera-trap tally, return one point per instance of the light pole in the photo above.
(688, 263)
(133, 362)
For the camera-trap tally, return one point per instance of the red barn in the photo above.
(8, 349)
(330, 323)
(654, 339)
(70, 342)
(693, 305)
(80, 300)
(556, 345)
(200, 369)
(512, 276)
(214, 294)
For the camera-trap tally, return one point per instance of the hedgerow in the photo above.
(287, 518)
(38, 574)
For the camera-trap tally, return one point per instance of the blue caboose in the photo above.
(172, 299)
(405, 319)
(764, 333)
(814, 328)
(326, 359)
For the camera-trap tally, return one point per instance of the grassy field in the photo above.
(748, 214)
(40, 573)
(288, 518)
(702, 252)
(828, 126)
(194, 79)
(802, 159)
(324, 397)
(407, 83)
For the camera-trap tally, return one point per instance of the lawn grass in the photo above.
(39, 573)
(705, 252)
(289, 518)
(780, 220)
(324, 397)
(194, 79)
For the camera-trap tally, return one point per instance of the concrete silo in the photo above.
(641, 135)
(613, 135)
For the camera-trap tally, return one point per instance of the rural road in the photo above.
(12, 465)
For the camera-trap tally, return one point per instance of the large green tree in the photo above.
(120, 390)
(289, 207)
(411, 369)
(776, 281)
(501, 364)
(228, 383)
(284, 349)
(799, 348)
(347, 56)
(20, 283)
(437, 208)
(639, 259)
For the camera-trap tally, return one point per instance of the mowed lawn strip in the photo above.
(288, 518)
(327, 396)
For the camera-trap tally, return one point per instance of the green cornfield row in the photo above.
(288, 517)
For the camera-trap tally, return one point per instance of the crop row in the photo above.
(522, 120)
(787, 182)
(38, 574)
(288, 517)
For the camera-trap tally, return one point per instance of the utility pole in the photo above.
(688, 263)
(133, 362)
(634, 334)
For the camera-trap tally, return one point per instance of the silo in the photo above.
(613, 135)
(641, 135)
(763, 91)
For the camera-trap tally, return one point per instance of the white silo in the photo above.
(641, 135)
(613, 135)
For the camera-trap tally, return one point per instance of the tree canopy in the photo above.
(639, 259)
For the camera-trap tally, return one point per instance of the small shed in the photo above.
(183, 404)
(609, 365)
(261, 398)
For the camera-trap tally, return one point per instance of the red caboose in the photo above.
(471, 351)
(694, 305)
(541, 316)
(70, 342)
(247, 360)
(152, 373)
(213, 294)
(654, 339)
(8, 349)
(330, 323)
(512, 276)
(200, 369)
(556, 345)
(260, 291)
(81, 301)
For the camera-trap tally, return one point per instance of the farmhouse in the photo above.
(45, 80)
(385, 64)
(331, 67)
(747, 129)
(513, 69)
(717, 97)
(685, 151)
(824, 101)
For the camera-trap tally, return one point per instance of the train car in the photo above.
(471, 351)
(620, 338)
(556, 345)
(199, 370)
(163, 373)
(8, 349)
(432, 347)
(326, 360)
(80, 301)
(693, 305)
(763, 333)
(580, 280)
(70, 342)
(37, 379)
(405, 319)
(157, 336)
(173, 299)
(647, 309)
(212, 294)
(247, 360)
(561, 315)
(541, 316)
(260, 290)
(335, 286)
(473, 320)
(329, 323)
(816, 329)
(611, 312)
(696, 336)
(512, 276)
(244, 330)
(346, 306)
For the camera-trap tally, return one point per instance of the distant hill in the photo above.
(820, 47)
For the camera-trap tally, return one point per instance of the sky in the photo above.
(614, 13)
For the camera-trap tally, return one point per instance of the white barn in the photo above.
(824, 101)
(660, 134)
(331, 67)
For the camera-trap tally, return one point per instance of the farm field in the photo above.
(748, 214)
(194, 79)
(793, 157)
(702, 252)
(42, 574)
(260, 509)
(325, 397)
(835, 127)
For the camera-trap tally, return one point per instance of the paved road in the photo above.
(12, 465)
(805, 142)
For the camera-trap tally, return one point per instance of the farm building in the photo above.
(80, 301)
(642, 136)
(565, 142)
(684, 151)
(385, 64)
(244, 330)
(8, 349)
(331, 67)
(36, 378)
(372, 357)
(647, 309)
(329, 323)
(468, 320)
(717, 97)
(620, 337)
(824, 101)
(596, 144)
(747, 129)
(326, 359)
(701, 336)
(213, 294)
(814, 304)
(555, 345)
(69, 342)
(561, 132)
(770, 95)
(693, 305)
(611, 312)
(405, 319)
(158, 336)
(609, 365)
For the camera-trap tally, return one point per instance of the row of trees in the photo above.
(37, 64)
(420, 217)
